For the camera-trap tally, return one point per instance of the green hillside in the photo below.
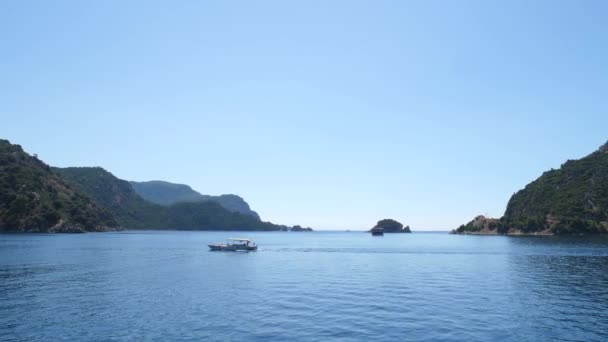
(117, 196)
(570, 200)
(34, 199)
(133, 212)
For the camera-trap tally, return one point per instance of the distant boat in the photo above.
(377, 231)
(234, 245)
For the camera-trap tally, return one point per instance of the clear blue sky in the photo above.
(332, 114)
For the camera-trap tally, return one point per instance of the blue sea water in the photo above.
(321, 286)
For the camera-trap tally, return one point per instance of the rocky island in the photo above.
(298, 228)
(570, 200)
(390, 226)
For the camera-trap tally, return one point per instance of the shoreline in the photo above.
(506, 234)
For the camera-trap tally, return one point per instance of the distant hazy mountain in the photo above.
(133, 211)
(165, 193)
(570, 200)
(34, 199)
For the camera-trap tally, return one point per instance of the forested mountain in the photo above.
(131, 211)
(35, 199)
(117, 196)
(570, 200)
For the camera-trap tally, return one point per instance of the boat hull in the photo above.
(232, 248)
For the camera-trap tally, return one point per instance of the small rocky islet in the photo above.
(390, 226)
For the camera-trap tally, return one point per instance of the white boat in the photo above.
(234, 245)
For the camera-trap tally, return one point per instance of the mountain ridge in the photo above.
(35, 197)
(134, 212)
(570, 200)
(168, 193)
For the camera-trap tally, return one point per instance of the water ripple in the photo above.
(312, 287)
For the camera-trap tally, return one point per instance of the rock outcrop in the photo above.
(392, 226)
